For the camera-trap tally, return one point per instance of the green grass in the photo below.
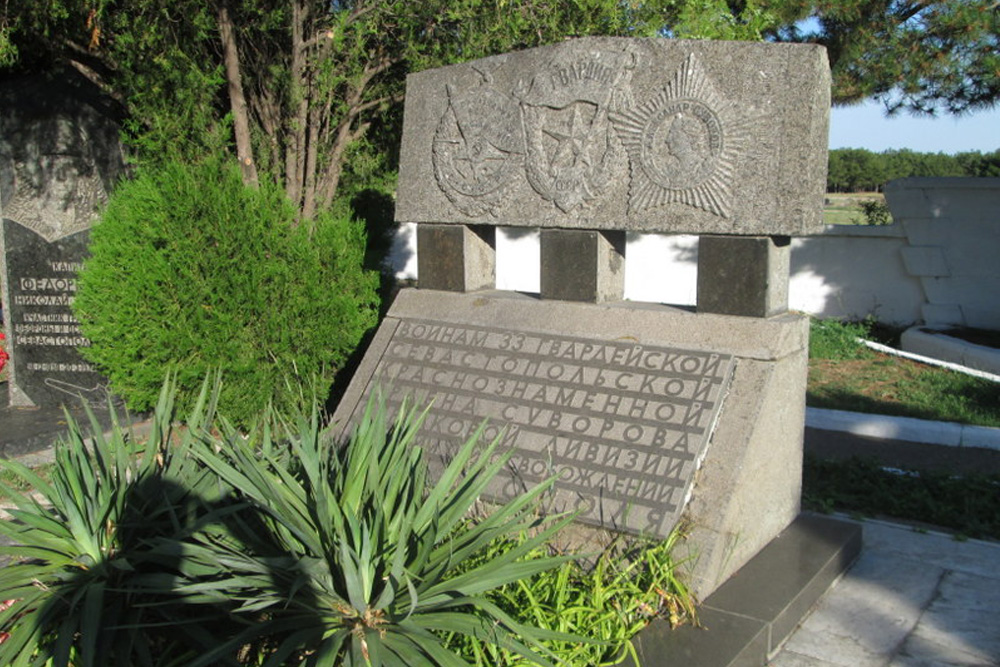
(607, 602)
(845, 208)
(845, 375)
(968, 505)
(9, 480)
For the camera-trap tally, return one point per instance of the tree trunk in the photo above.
(237, 100)
(296, 143)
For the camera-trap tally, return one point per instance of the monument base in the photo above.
(750, 616)
(649, 415)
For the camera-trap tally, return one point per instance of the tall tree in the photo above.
(924, 56)
(294, 85)
(300, 89)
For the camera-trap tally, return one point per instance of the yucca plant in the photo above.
(82, 587)
(351, 557)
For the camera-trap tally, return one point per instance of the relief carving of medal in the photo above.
(478, 149)
(683, 144)
(572, 151)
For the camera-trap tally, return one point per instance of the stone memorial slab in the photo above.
(649, 417)
(58, 158)
(623, 425)
(45, 335)
(650, 135)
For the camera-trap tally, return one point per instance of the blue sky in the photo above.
(865, 126)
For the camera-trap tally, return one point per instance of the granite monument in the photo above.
(648, 415)
(59, 157)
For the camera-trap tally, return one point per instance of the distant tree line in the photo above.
(861, 170)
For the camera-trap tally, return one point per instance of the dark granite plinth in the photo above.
(44, 334)
(746, 620)
(743, 276)
(456, 258)
(579, 265)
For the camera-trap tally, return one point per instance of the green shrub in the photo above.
(876, 212)
(192, 271)
(353, 557)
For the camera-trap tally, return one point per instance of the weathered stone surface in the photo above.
(637, 408)
(743, 276)
(582, 265)
(457, 258)
(649, 135)
(59, 156)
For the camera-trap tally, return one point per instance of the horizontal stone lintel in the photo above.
(647, 135)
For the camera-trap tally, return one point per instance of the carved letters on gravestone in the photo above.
(623, 425)
(51, 191)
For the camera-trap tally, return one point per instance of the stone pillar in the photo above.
(456, 258)
(743, 275)
(582, 265)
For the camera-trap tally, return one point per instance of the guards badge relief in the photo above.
(572, 151)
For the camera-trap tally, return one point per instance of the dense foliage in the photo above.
(298, 90)
(193, 271)
(86, 586)
(201, 546)
(307, 94)
(923, 56)
(861, 170)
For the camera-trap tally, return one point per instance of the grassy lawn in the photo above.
(845, 208)
(968, 506)
(845, 375)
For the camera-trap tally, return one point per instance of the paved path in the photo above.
(912, 599)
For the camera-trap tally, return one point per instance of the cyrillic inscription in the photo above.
(623, 425)
(45, 336)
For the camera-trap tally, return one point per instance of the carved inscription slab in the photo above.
(612, 133)
(45, 336)
(59, 155)
(623, 425)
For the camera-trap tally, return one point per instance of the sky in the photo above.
(866, 126)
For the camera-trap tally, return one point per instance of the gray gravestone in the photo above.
(648, 415)
(59, 156)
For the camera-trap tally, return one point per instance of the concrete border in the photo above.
(908, 429)
(937, 344)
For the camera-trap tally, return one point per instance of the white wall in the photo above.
(851, 272)
(938, 264)
(952, 226)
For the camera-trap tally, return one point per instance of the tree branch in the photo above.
(237, 99)
(296, 145)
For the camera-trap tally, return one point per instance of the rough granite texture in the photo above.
(650, 135)
(636, 408)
